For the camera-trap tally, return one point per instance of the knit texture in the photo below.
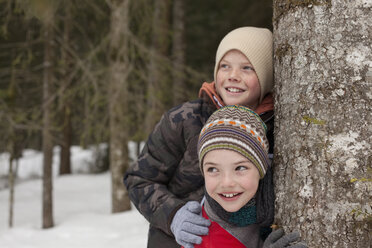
(243, 217)
(239, 129)
(257, 45)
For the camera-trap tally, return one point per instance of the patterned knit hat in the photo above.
(257, 45)
(239, 129)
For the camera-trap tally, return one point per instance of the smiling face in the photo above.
(236, 80)
(230, 178)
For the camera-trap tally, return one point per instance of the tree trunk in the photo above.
(178, 53)
(323, 114)
(118, 103)
(65, 164)
(65, 156)
(46, 132)
(157, 65)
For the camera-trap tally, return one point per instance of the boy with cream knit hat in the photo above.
(166, 175)
(256, 50)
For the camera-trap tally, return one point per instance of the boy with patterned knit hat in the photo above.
(166, 175)
(233, 158)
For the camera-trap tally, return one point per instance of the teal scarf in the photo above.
(243, 217)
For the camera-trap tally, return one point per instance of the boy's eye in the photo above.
(249, 68)
(241, 168)
(211, 169)
(224, 66)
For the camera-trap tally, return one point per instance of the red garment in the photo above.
(218, 237)
(267, 103)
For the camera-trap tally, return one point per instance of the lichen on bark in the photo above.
(323, 136)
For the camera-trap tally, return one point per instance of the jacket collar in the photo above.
(209, 89)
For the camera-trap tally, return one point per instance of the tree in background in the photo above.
(323, 109)
(65, 102)
(158, 66)
(178, 53)
(47, 18)
(44, 11)
(118, 101)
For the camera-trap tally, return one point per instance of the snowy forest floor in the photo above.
(82, 215)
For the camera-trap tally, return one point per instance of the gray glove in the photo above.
(277, 239)
(188, 225)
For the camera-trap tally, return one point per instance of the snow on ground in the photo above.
(82, 213)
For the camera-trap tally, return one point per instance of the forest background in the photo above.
(102, 72)
(75, 55)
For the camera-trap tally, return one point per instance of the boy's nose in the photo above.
(234, 75)
(228, 180)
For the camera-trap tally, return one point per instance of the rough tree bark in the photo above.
(323, 131)
(118, 102)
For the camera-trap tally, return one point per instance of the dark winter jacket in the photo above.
(166, 174)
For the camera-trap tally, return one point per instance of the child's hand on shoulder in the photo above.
(188, 224)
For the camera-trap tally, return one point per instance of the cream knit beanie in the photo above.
(257, 45)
